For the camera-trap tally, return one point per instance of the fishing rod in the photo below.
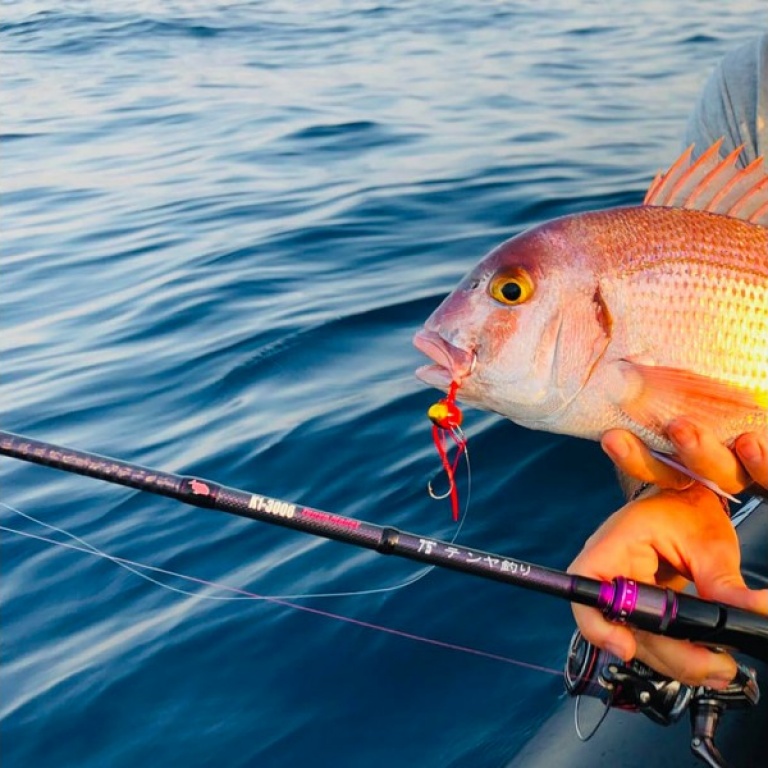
(654, 609)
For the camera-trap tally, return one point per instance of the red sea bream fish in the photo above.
(626, 317)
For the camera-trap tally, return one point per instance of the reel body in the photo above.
(633, 686)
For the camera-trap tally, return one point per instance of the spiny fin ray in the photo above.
(715, 185)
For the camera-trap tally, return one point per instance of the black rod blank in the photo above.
(647, 607)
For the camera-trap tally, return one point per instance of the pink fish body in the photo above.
(621, 318)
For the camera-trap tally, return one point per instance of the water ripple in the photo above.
(222, 223)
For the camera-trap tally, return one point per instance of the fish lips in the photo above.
(452, 363)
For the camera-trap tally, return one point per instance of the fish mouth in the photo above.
(451, 363)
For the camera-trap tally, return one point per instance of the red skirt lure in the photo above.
(446, 418)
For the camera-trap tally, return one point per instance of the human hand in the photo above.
(699, 450)
(668, 538)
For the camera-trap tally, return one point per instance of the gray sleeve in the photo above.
(734, 104)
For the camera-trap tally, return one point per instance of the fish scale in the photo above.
(720, 308)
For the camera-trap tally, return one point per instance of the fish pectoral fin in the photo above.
(653, 395)
(714, 184)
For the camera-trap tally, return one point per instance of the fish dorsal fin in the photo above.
(715, 185)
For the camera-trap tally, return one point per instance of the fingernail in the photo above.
(682, 434)
(616, 649)
(718, 683)
(720, 678)
(619, 448)
(748, 449)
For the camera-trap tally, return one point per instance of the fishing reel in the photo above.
(635, 687)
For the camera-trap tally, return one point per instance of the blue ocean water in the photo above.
(221, 225)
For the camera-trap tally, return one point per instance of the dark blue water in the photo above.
(221, 225)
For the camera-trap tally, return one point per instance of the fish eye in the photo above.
(511, 287)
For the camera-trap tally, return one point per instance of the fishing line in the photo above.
(129, 566)
(446, 418)
(243, 594)
(643, 606)
(284, 600)
(356, 593)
